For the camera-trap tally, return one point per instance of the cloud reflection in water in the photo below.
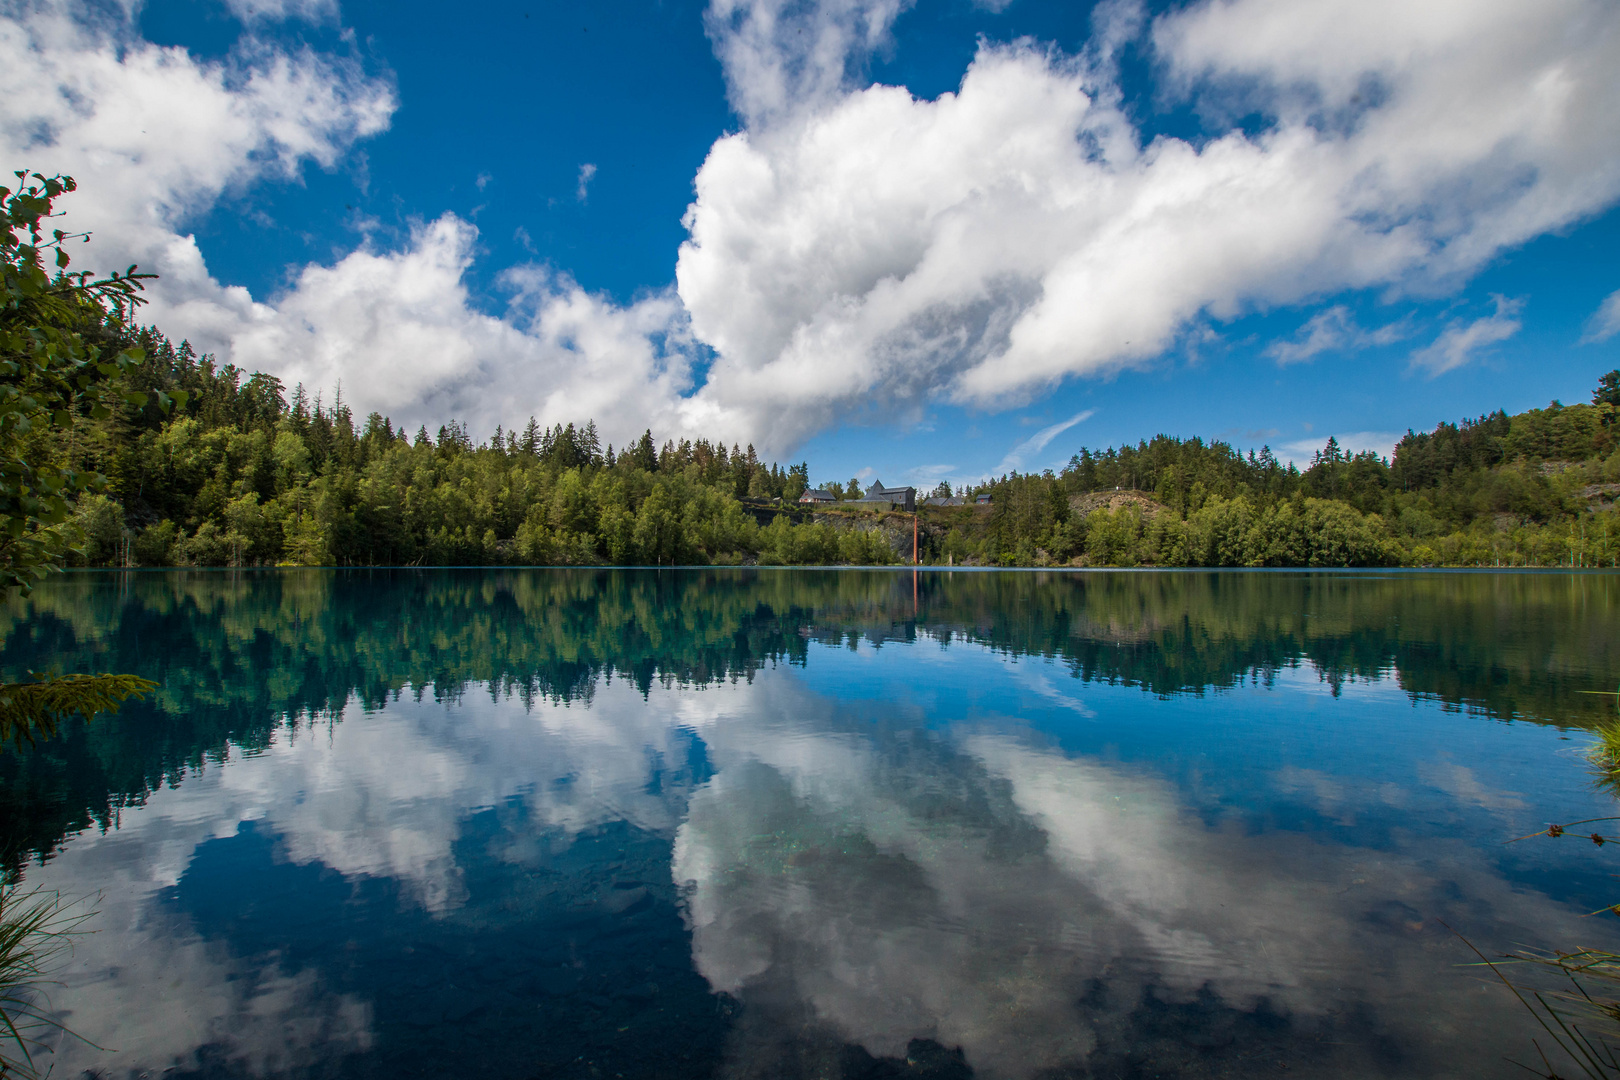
(992, 894)
(850, 876)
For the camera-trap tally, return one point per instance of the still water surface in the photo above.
(783, 823)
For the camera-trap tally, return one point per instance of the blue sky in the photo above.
(910, 240)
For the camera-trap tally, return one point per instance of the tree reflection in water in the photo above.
(485, 820)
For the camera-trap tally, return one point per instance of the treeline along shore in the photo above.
(245, 473)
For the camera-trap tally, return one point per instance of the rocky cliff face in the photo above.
(1081, 505)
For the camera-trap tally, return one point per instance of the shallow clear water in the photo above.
(761, 823)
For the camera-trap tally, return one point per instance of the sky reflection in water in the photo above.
(782, 823)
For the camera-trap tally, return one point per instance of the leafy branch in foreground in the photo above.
(60, 364)
(54, 370)
(36, 929)
(33, 710)
(55, 366)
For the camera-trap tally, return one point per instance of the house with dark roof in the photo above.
(944, 500)
(818, 495)
(896, 498)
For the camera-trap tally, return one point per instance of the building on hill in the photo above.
(818, 495)
(896, 498)
(983, 499)
(942, 500)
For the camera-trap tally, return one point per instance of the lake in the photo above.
(830, 823)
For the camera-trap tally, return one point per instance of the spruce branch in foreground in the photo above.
(33, 710)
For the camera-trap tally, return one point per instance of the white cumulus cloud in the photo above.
(856, 253)
(984, 245)
(156, 138)
(400, 331)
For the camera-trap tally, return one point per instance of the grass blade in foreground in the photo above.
(36, 929)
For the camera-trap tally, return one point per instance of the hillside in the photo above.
(244, 474)
(1535, 489)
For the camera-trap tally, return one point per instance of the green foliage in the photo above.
(239, 475)
(1536, 489)
(32, 710)
(64, 365)
(1559, 433)
(156, 545)
(1608, 389)
(1604, 755)
(104, 538)
(866, 543)
(60, 360)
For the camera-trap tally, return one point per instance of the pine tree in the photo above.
(644, 456)
(1608, 390)
(590, 445)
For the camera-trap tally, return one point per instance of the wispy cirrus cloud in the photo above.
(1333, 330)
(1605, 321)
(1020, 454)
(787, 58)
(310, 11)
(925, 477)
(1301, 451)
(1462, 340)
